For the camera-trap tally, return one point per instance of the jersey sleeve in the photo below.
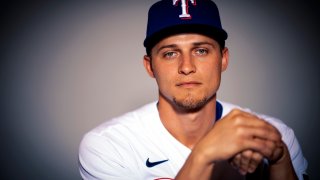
(100, 158)
(300, 164)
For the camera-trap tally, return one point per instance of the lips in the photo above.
(188, 84)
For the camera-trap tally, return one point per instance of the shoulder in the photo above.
(127, 122)
(104, 149)
(119, 130)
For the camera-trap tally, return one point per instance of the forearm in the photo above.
(195, 168)
(283, 168)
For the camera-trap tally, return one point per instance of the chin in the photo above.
(190, 104)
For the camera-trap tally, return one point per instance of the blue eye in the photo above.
(201, 51)
(170, 54)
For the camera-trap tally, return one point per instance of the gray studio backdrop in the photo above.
(68, 66)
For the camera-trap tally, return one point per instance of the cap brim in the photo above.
(217, 34)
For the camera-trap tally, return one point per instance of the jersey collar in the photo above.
(219, 110)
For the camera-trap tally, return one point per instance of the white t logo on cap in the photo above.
(184, 6)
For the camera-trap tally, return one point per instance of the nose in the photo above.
(187, 65)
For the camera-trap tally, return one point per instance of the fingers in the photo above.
(266, 138)
(254, 162)
(258, 127)
(236, 161)
(249, 127)
(264, 147)
(246, 161)
(236, 132)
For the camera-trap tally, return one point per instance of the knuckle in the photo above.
(238, 156)
(247, 154)
(268, 152)
(238, 120)
(240, 132)
(235, 111)
(257, 156)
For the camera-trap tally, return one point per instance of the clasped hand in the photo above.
(244, 140)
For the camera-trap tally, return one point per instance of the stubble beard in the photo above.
(191, 104)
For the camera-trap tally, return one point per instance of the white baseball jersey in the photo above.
(136, 145)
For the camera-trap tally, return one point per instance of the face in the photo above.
(187, 68)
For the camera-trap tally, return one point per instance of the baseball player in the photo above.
(188, 133)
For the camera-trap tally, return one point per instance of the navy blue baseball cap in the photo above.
(169, 17)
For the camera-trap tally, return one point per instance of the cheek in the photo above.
(163, 78)
(213, 75)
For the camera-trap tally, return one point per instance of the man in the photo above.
(188, 133)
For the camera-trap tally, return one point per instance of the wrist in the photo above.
(283, 158)
(196, 167)
(200, 157)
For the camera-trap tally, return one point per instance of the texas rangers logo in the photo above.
(184, 7)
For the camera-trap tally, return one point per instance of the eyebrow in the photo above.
(203, 43)
(167, 46)
(194, 44)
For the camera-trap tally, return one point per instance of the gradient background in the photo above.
(68, 66)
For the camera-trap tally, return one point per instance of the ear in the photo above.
(225, 59)
(148, 65)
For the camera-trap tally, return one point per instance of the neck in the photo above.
(188, 127)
